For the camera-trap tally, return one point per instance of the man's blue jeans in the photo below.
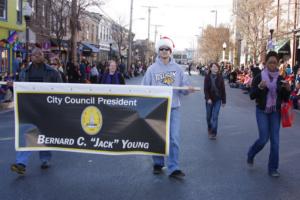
(23, 156)
(268, 127)
(212, 115)
(173, 158)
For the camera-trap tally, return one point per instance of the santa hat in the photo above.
(164, 41)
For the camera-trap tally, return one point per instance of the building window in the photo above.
(3, 9)
(33, 6)
(4, 60)
(92, 33)
(87, 32)
(43, 10)
(65, 27)
(54, 24)
(19, 11)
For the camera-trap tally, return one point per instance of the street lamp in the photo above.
(224, 48)
(110, 51)
(27, 12)
(129, 38)
(196, 50)
(136, 55)
(216, 17)
(238, 46)
(129, 52)
(270, 42)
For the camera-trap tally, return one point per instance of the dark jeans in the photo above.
(295, 100)
(268, 127)
(94, 79)
(212, 115)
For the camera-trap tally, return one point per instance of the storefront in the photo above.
(282, 47)
(89, 52)
(10, 48)
(11, 23)
(4, 59)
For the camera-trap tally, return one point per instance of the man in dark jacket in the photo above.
(38, 71)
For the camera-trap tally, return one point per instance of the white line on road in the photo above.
(7, 111)
(7, 139)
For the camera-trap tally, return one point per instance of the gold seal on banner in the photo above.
(91, 120)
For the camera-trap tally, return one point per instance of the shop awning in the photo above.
(283, 46)
(91, 47)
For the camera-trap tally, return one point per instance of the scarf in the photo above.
(214, 89)
(271, 81)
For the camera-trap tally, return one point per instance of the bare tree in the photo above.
(211, 43)
(253, 18)
(120, 36)
(141, 49)
(60, 14)
(78, 8)
(39, 23)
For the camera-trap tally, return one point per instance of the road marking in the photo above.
(7, 111)
(7, 139)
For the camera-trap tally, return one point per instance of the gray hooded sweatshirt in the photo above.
(159, 74)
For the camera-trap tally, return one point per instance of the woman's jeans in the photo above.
(268, 127)
(212, 115)
(173, 158)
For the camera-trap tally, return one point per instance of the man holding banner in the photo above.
(38, 71)
(165, 72)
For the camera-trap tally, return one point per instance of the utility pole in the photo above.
(74, 31)
(216, 17)
(294, 34)
(156, 32)
(287, 24)
(278, 16)
(148, 39)
(130, 38)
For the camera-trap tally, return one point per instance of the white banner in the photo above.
(105, 119)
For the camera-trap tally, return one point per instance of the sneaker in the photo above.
(18, 168)
(274, 173)
(213, 137)
(157, 169)
(250, 161)
(45, 165)
(177, 174)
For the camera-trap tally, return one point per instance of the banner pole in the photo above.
(3, 83)
(187, 88)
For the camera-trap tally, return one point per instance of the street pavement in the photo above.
(214, 169)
